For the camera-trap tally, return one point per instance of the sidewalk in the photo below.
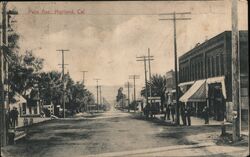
(30, 122)
(196, 121)
(20, 130)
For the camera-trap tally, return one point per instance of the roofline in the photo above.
(209, 40)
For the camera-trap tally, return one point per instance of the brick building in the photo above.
(205, 76)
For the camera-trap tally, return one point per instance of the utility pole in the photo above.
(3, 43)
(100, 95)
(63, 66)
(145, 59)
(174, 19)
(134, 77)
(83, 76)
(97, 101)
(83, 82)
(149, 71)
(236, 71)
(128, 86)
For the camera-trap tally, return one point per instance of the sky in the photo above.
(104, 38)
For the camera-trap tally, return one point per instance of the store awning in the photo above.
(221, 80)
(186, 83)
(184, 86)
(196, 93)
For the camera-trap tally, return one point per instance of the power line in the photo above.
(149, 67)
(63, 66)
(83, 76)
(145, 59)
(128, 85)
(97, 96)
(174, 19)
(134, 77)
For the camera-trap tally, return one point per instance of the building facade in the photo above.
(211, 62)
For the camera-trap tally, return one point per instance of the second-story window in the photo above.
(202, 71)
(213, 67)
(218, 65)
(222, 63)
(208, 67)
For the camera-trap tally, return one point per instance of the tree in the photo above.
(24, 72)
(158, 88)
(50, 87)
(120, 97)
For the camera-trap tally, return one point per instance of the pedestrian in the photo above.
(168, 111)
(8, 124)
(15, 117)
(183, 116)
(187, 115)
(172, 111)
(206, 114)
(12, 117)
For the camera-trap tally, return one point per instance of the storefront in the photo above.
(209, 92)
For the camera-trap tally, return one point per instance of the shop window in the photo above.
(201, 69)
(30, 111)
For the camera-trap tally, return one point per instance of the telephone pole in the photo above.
(134, 77)
(100, 94)
(145, 59)
(63, 66)
(83, 82)
(149, 71)
(174, 19)
(97, 97)
(236, 71)
(3, 43)
(128, 86)
(83, 76)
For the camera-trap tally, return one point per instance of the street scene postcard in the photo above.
(124, 78)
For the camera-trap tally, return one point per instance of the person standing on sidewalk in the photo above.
(187, 115)
(168, 112)
(15, 117)
(12, 118)
(183, 116)
(172, 111)
(206, 114)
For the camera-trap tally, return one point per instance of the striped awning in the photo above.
(196, 93)
(184, 86)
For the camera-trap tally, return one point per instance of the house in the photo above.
(48, 109)
(205, 76)
(32, 108)
(19, 103)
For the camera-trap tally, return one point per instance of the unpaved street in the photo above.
(104, 133)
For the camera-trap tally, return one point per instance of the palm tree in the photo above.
(158, 88)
